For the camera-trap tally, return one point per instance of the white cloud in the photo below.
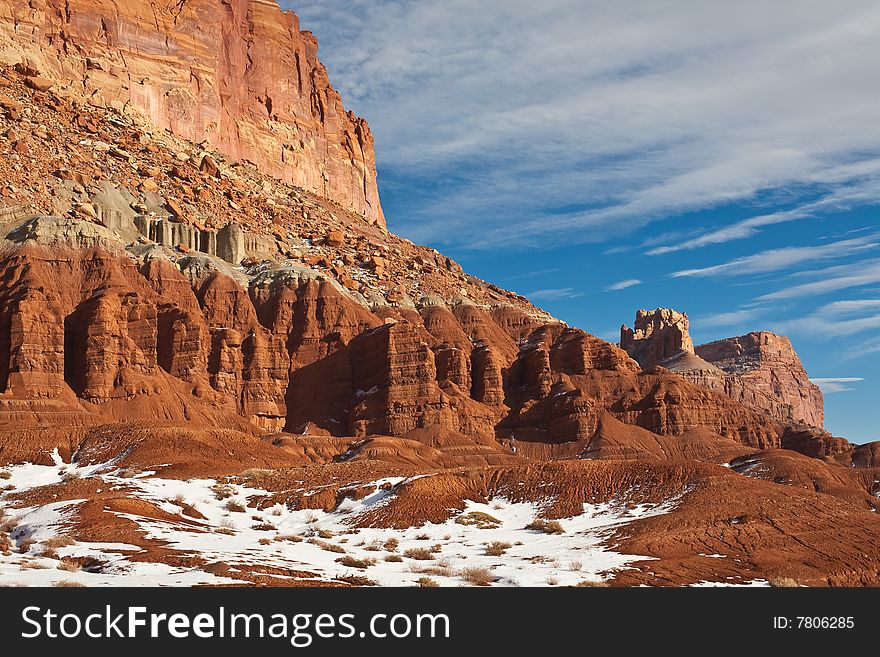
(831, 279)
(832, 385)
(627, 111)
(731, 318)
(530, 274)
(622, 285)
(777, 259)
(862, 193)
(555, 294)
(837, 319)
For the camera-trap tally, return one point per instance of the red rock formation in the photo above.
(238, 74)
(760, 370)
(656, 336)
(769, 364)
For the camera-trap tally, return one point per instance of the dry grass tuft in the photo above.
(592, 582)
(496, 548)
(440, 569)
(357, 580)
(324, 545)
(546, 526)
(783, 582)
(69, 565)
(222, 491)
(235, 507)
(393, 558)
(292, 538)
(59, 542)
(477, 576)
(427, 583)
(479, 520)
(66, 584)
(354, 562)
(421, 554)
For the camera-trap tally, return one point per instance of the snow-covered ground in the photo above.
(485, 542)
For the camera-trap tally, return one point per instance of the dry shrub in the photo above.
(479, 520)
(324, 545)
(393, 558)
(552, 581)
(66, 584)
(783, 582)
(222, 491)
(391, 544)
(423, 537)
(4, 474)
(32, 565)
(357, 580)
(496, 548)
(325, 533)
(264, 527)
(235, 507)
(477, 576)
(421, 554)
(59, 542)
(575, 566)
(129, 472)
(265, 541)
(375, 546)
(546, 526)
(255, 474)
(293, 538)
(440, 569)
(427, 583)
(225, 530)
(354, 562)
(592, 582)
(69, 565)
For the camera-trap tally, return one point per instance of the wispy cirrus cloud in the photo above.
(779, 259)
(864, 191)
(530, 274)
(554, 294)
(603, 110)
(836, 384)
(830, 279)
(837, 319)
(731, 318)
(623, 285)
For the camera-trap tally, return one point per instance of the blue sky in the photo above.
(718, 158)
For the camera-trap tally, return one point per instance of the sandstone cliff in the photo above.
(760, 370)
(768, 363)
(147, 277)
(238, 74)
